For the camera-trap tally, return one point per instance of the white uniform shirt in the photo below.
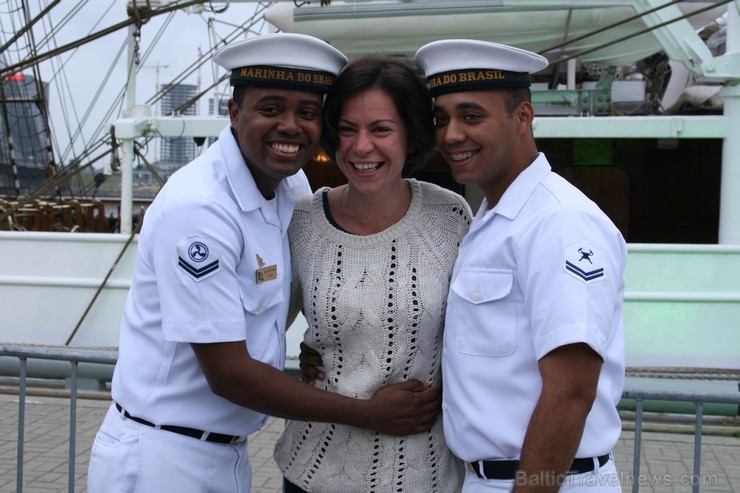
(542, 269)
(206, 238)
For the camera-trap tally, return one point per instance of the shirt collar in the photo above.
(242, 183)
(523, 186)
(244, 188)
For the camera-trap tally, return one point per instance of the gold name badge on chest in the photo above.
(264, 274)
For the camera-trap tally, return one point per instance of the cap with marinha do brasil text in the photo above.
(282, 60)
(455, 65)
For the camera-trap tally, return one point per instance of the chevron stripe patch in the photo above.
(584, 262)
(586, 276)
(198, 256)
(199, 272)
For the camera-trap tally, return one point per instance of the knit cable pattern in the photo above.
(375, 309)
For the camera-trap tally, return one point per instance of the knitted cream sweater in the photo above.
(375, 308)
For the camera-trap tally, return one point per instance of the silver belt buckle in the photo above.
(471, 467)
(238, 440)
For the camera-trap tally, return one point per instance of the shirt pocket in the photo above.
(259, 302)
(484, 312)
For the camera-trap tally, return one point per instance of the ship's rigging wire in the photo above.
(640, 32)
(76, 165)
(105, 280)
(25, 97)
(556, 72)
(206, 58)
(29, 25)
(147, 14)
(72, 122)
(162, 91)
(9, 69)
(192, 68)
(77, 132)
(149, 166)
(141, 157)
(64, 174)
(215, 45)
(74, 127)
(40, 103)
(566, 42)
(56, 26)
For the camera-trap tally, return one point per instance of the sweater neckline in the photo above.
(393, 231)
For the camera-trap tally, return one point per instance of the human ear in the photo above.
(233, 112)
(524, 116)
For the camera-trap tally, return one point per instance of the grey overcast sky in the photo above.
(80, 99)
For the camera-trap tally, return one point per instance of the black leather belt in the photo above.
(506, 469)
(188, 432)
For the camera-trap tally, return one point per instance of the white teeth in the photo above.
(287, 148)
(463, 156)
(365, 166)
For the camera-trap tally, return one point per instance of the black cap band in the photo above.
(476, 79)
(282, 77)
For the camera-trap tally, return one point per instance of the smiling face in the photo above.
(373, 143)
(482, 140)
(278, 132)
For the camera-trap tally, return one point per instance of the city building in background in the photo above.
(223, 105)
(218, 106)
(26, 158)
(177, 152)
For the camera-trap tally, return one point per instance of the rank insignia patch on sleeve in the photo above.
(198, 256)
(583, 262)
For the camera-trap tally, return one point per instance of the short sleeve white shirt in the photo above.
(542, 269)
(212, 265)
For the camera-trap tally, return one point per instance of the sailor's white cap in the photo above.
(454, 65)
(285, 60)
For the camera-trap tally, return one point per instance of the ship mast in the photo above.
(127, 145)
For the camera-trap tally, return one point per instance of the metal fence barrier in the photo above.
(74, 357)
(699, 399)
(77, 357)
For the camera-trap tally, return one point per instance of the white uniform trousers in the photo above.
(604, 479)
(130, 457)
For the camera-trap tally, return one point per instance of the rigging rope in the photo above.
(130, 239)
(607, 27)
(56, 26)
(64, 88)
(41, 105)
(105, 280)
(92, 37)
(28, 26)
(207, 56)
(641, 32)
